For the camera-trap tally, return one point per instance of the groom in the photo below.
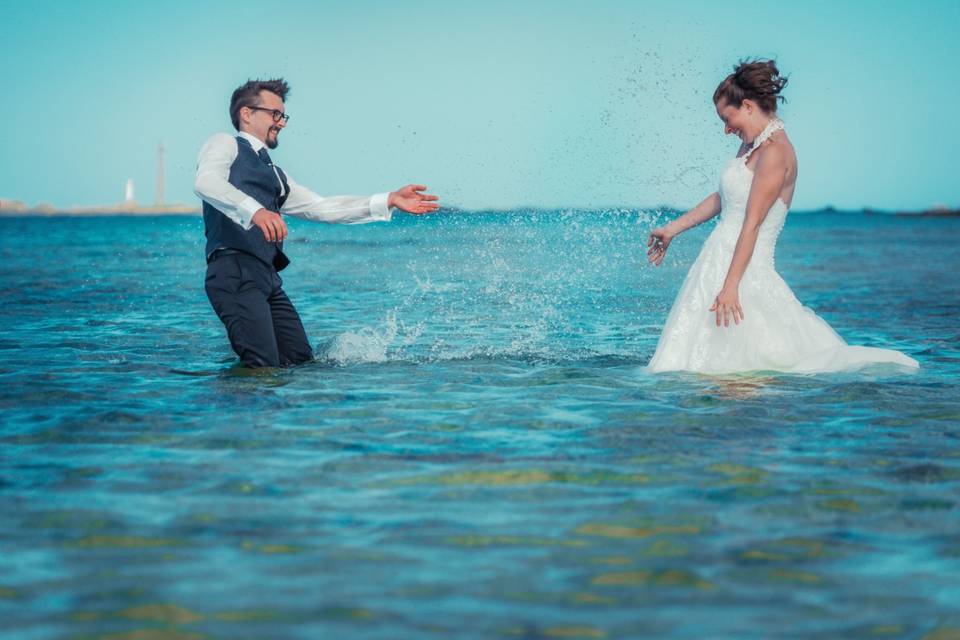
(245, 196)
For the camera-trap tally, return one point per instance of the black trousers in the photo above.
(262, 324)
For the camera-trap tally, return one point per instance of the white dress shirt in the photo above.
(212, 185)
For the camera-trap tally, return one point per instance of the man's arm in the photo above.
(304, 203)
(212, 184)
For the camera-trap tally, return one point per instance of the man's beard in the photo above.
(274, 141)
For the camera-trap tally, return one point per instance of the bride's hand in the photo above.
(658, 242)
(726, 304)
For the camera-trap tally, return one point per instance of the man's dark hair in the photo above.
(248, 95)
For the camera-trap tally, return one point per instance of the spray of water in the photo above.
(529, 285)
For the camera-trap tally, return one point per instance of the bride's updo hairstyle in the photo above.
(757, 80)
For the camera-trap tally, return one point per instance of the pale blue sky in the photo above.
(492, 104)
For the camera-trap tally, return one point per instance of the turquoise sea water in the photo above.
(477, 452)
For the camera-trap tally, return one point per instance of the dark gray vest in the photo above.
(254, 177)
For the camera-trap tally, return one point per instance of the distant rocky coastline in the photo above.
(935, 212)
(940, 212)
(18, 208)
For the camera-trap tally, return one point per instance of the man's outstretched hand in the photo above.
(411, 200)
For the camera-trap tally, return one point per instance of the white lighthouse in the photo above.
(128, 198)
(161, 177)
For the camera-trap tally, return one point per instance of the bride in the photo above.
(734, 277)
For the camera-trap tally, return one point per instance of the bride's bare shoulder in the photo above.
(781, 138)
(779, 146)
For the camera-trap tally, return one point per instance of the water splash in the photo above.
(369, 344)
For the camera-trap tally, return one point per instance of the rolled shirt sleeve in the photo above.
(212, 183)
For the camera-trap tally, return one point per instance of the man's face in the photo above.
(260, 120)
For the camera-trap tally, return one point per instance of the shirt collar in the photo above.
(255, 142)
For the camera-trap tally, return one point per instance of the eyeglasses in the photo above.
(276, 113)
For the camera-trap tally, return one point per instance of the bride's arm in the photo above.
(768, 179)
(660, 238)
(698, 215)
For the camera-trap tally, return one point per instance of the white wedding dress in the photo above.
(777, 333)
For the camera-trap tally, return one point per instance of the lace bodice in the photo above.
(735, 183)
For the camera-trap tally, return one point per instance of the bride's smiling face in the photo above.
(745, 121)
